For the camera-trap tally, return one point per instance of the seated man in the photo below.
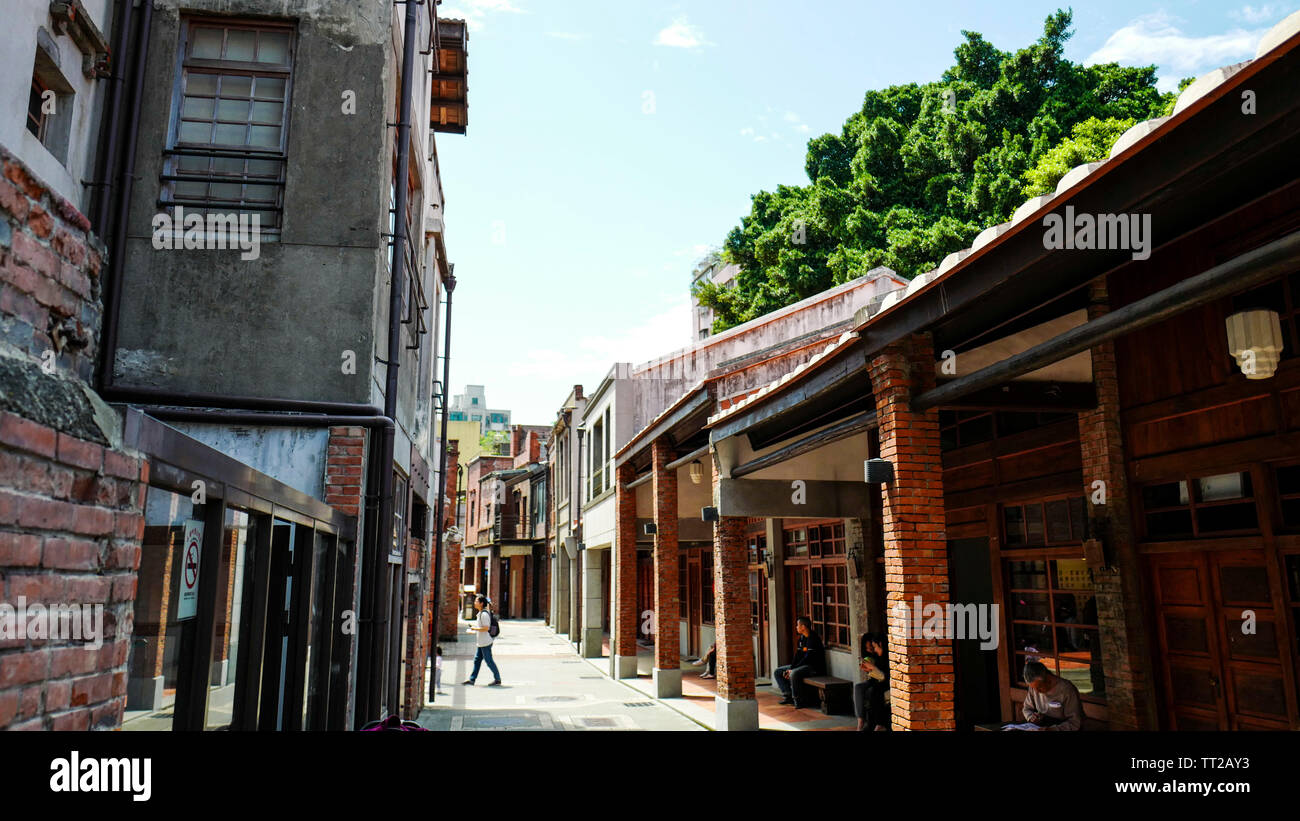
(809, 660)
(1052, 702)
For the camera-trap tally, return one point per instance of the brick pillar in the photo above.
(1128, 688)
(450, 602)
(623, 642)
(667, 670)
(735, 704)
(916, 555)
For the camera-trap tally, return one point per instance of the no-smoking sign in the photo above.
(188, 605)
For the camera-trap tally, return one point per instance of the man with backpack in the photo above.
(486, 631)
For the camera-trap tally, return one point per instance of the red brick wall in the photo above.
(71, 523)
(916, 554)
(624, 607)
(49, 272)
(344, 464)
(71, 509)
(1129, 696)
(731, 613)
(663, 484)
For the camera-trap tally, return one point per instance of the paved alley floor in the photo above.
(546, 686)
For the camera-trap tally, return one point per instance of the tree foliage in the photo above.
(919, 170)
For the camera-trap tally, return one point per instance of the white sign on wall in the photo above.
(192, 549)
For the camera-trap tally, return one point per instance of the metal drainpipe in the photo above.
(112, 286)
(436, 579)
(112, 123)
(387, 503)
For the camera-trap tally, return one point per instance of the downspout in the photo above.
(112, 124)
(436, 580)
(386, 501)
(112, 287)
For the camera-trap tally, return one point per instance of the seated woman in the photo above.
(869, 694)
(710, 662)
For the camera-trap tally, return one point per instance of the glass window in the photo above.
(706, 587)
(1056, 521)
(237, 544)
(1200, 506)
(227, 153)
(818, 576)
(1053, 619)
(165, 615)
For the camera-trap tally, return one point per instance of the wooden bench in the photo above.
(836, 694)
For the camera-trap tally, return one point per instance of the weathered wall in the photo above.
(70, 501)
(209, 321)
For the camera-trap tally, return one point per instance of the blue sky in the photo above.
(611, 143)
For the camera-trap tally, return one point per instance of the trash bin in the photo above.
(467, 610)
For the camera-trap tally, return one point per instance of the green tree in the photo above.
(920, 169)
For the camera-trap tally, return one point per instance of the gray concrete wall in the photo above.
(206, 320)
(295, 456)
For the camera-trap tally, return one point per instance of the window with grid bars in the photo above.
(682, 586)
(706, 587)
(226, 149)
(819, 578)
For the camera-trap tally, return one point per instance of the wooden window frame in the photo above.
(706, 587)
(1193, 505)
(1017, 657)
(820, 565)
(41, 120)
(1043, 502)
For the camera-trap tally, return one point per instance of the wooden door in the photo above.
(693, 613)
(759, 620)
(1217, 638)
(645, 596)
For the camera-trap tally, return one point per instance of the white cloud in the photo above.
(1156, 38)
(1253, 15)
(593, 355)
(681, 34)
(474, 12)
(746, 132)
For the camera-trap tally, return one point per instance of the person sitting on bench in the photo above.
(809, 660)
(869, 694)
(710, 662)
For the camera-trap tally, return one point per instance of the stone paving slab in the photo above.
(545, 687)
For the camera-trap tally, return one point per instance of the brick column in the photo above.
(735, 704)
(667, 670)
(916, 554)
(623, 641)
(1127, 685)
(450, 602)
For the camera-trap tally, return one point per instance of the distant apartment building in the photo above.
(471, 406)
(709, 269)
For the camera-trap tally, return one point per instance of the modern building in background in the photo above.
(471, 406)
(710, 269)
(236, 498)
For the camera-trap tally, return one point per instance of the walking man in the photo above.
(483, 631)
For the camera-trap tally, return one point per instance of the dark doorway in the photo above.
(970, 582)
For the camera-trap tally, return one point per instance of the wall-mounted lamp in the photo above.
(1255, 341)
(855, 561)
(697, 472)
(649, 529)
(877, 471)
(769, 563)
(710, 514)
